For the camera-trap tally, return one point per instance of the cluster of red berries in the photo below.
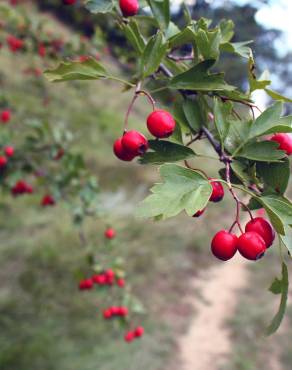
(48, 200)
(106, 278)
(160, 124)
(14, 43)
(21, 187)
(134, 334)
(216, 196)
(5, 116)
(115, 311)
(284, 141)
(129, 8)
(252, 244)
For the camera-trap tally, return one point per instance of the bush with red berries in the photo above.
(253, 146)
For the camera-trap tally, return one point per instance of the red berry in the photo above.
(29, 189)
(5, 116)
(99, 279)
(251, 246)
(3, 161)
(263, 228)
(224, 245)
(107, 314)
(139, 331)
(121, 152)
(129, 7)
(114, 310)
(218, 191)
(42, 51)
(69, 2)
(199, 213)
(14, 43)
(110, 233)
(284, 141)
(9, 151)
(134, 143)
(129, 336)
(48, 200)
(121, 282)
(21, 187)
(161, 124)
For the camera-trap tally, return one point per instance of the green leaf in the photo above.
(69, 71)
(133, 35)
(153, 54)
(182, 189)
(193, 113)
(275, 175)
(161, 11)
(166, 151)
(99, 6)
(254, 83)
(184, 37)
(238, 48)
(279, 286)
(276, 96)
(287, 239)
(279, 210)
(222, 113)
(266, 121)
(227, 30)
(265, 151)
(199, 79)
(208, 43)
(180, 118)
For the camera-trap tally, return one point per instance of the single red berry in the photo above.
(3, 161)
(224, 245)
(107, 314)
(199, 213)
(14, 43)
(161, 124)
(129, 336)
(121, 152)
(48, 200)
(110, 233)
(218, 191)
(9, 151)
(121, 282)
(263, 228)
(110, 276)
(135, 143)
(5, 116)
(139, 331)
(129, 7)
(99, 279)
(251, 246)
(42, 50)
(284, 141)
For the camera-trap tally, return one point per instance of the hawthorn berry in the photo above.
(14, 43)
(263, 228)
(129, 336)
(224, 245)
(199, 213)
(3, 161)
(110, 233)
(5, 116)
(134, 143)
(123, 311)
(9, 151)
(139, 331)
(129, 8)
(120, 151)
(251, 246)
(69, 2)
(42, 51)
(217, 192)
(115, 311)
(48, 200)
(107, 314)
(121, 282)
(161, 124)
(284, 141)
(21, 187)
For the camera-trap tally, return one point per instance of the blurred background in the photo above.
(45, 323)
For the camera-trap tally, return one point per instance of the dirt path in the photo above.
(207, 343)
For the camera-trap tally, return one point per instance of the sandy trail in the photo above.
(207, 344)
